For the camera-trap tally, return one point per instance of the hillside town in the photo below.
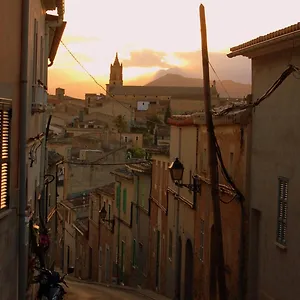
(157, 191)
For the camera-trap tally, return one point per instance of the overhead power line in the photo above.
(112, 96)
(101, 86)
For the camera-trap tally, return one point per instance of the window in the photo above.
(230, 163)
(201, 250)
(35, 52)
(204, 161)
(282, 210)
(134, 253)
(42, 60)
(5, 118)
(92, 209)
(100, 256)
(142, 194)
(124, 200)
(126, 139)
(170, 243)
(136, 138)
(118, 196)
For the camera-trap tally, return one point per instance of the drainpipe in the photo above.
(23, 109)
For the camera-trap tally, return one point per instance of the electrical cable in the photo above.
(100, 85)
(105, 164)
(219, 79)
(238, 106)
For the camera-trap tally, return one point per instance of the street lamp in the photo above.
(176, 170)
(103, 213)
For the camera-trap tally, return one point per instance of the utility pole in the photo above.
(213, 163)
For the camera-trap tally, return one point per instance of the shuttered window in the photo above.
(118, 196)
(124, 200)
(5, 118)
(282, 210)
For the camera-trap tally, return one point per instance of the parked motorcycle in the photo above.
(50, 283)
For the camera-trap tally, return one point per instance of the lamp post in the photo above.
(176, 171)
(103, 214)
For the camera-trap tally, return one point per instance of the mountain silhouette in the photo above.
(226, 88)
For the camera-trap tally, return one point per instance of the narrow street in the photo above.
(83, 291)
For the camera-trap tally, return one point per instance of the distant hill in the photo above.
(234, 89)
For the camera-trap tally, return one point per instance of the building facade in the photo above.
(140, 223)
(107, 249)
(28, 46)
(123, 210)
(101, 233)
(274, 239)
(232, 132)
(160, 255)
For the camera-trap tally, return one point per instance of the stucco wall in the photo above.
(275, 151)
(8, 251)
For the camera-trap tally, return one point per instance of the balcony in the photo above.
(39, 99)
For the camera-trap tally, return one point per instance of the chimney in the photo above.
(60, 94)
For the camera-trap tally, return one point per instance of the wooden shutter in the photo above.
(282, 210)
(124, 200)
(5, 120)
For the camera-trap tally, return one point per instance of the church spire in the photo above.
(117, 63)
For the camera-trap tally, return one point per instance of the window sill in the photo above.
(5, 213)
(280, 246)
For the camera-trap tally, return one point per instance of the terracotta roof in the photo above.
(224, 114)
(159, 150)
(108, 189)
(141, 167)
(55, 34)
(54, 101)
(163, 131)
(82, 224)
(173, 91)
(123, 172)
(290, 30)
(75, 202)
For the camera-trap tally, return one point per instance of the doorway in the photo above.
(122, 271)
(189, 271)
(157, 260)
(254, 246)
(107, 264)
(178, 269)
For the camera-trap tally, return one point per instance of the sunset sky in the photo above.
(154, 35)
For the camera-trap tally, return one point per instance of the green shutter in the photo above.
(118, 195)
(124, 200)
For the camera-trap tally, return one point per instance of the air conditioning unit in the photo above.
(39, 99)
(37, 108)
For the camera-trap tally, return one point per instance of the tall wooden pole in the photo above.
(213, 163)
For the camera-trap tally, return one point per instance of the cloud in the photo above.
(146, 59)
(237, 69)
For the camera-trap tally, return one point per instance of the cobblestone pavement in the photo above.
(84, 291)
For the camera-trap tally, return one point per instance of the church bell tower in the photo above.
(116, 73)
